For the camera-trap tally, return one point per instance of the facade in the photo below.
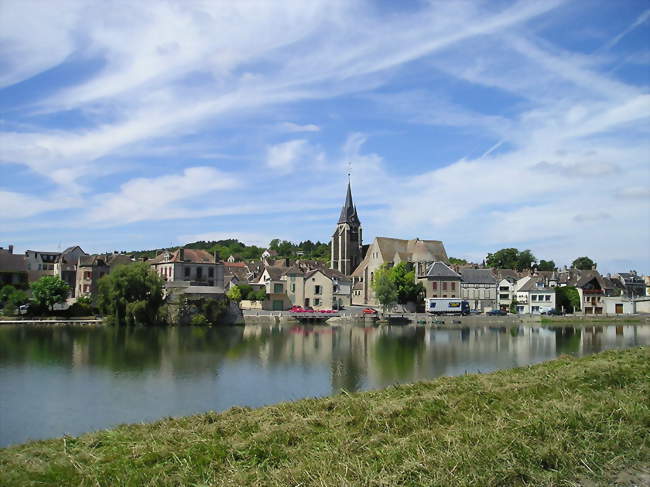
(441, 281)
(633, 284)
(37, 260)
(198, 267)
(275, 287)
(347, 239)
(91, 268)
(13, 269)
(592, 290)
(391, 251)
(318, 288)
(479, 288)
(536, 297)
(506, 293)
(66, 267)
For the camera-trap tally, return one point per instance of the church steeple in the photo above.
(347, 238)
(349, 211)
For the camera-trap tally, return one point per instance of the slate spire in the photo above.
(349, 211)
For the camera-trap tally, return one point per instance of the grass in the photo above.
(549, 424)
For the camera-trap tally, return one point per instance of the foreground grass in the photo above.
(548, 424)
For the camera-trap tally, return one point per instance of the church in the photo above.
(352, 258)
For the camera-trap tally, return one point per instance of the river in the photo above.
(70, 380)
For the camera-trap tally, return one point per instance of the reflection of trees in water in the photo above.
(567, 340)
(398, 352)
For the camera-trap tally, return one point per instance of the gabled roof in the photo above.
(588, 276)
(275, 272)
(196, 256)
(334, 274)
(294, 270)
(10, 262)
(532, 285)
(440, 269)
(478, 276)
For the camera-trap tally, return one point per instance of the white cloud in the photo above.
(286, 156)
(159, 198)
(18, 205)
(294, 127)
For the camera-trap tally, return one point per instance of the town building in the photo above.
(633, 284)
(391, 251)
(91, 268)
(479, 288)
(534, 296)
(441, 281)
(194, 266)
(13, 268)
(65, 266)
(347, 240)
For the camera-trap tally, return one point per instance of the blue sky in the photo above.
(483, 124)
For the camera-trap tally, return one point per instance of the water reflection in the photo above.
(73, 379)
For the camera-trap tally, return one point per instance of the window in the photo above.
(293, 287)
(444, 286)
(533, 297)
(503, 288)
(277, 288)
(434, 285)
(453, 286)
(504, 296)
(548, 297)
(317, 289)
(210, 271)
(187, 272)
(199, 273)
(535, 309)
(316, 302)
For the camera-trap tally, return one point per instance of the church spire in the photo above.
(349, 211)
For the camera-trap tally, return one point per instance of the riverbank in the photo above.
(548, 424)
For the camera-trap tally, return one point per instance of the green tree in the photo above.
(384, 287)
(5, 292)
(513, 306)
(403, 277)
(234, 294)
(456, 261)
(583, 263)
(50, 290)
(131, 294)
(511, 259)
(546, 265)
(567, 298)
(13, 301)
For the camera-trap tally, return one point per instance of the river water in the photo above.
(70, 380)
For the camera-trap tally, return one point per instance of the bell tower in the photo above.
(347, 238)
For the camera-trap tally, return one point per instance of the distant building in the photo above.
(633, 284)
(347, 240)
(13, 268)
(479, 288)
(193, 266)
(65, 267)
(535, 297)
(441, 281)
(420, 253)
(91, 268)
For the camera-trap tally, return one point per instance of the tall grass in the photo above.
(548, 424)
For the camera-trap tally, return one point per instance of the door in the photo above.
(278, 305)
(619, 309)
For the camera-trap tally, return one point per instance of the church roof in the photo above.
(349, 211)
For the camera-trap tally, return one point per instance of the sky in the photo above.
(484, 124)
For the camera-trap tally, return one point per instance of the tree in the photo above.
(234, 294)
(384, 287)
(567, 298)
(12, 299)
(403, 276)
(456, 261)
(546, 265)
(583, 263)
(513, 306)
(131, 294)
(50, 290)
(511, 259)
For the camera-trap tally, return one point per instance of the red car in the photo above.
(296, 309)
(369, 311)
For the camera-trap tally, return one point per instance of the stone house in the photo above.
(65, 266)
(441, 281)
(479, 288)
(91, 268)
(13, 268)
(539, 297)
(633, 284)
(383, 250)
(195, 266)
(318, 288)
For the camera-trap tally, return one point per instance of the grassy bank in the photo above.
(548, 424)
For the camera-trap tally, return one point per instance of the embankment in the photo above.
(548, 424)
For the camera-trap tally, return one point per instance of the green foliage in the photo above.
(308, 249)
(83, 306)
(199, 320)
(546, 265)
(511, 259)
(50, 290)
(567, 298)
(5, 292)
(234, 294)
(583, 263)
(12, 299)
(513, 306)
(249, 293)
(403, 275)
(454, 260)
(384, 287)
(213, 309)
(131, 294)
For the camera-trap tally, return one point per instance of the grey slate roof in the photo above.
(478, 276)
(12, 262)
(349, 211)
(439, 269)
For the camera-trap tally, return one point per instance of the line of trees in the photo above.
(521, 260)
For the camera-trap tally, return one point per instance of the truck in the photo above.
(443, 306)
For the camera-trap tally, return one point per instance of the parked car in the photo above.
(553, 312)
(369, 311)
(474, 312)
(496, 312)
(296, 309)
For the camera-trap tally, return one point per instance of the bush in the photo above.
(199, 320)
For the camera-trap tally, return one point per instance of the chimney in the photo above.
(215, 254)
(181, 254)
(11, 249)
